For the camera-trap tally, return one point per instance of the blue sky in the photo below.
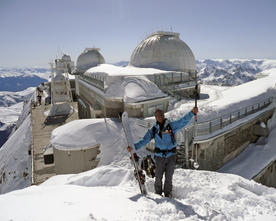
(34, 32)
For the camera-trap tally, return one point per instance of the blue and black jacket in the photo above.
(164, 140)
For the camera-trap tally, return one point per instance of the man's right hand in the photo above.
(129, 148)
(195, 110)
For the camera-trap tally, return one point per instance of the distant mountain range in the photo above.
(121, 63)
(16, 85)
(232, 72)
(18, 79)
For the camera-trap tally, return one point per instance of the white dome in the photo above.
(91, 57)
(66, 57)
(164, 50)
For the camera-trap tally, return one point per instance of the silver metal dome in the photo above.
(164, 50)
(91, 57)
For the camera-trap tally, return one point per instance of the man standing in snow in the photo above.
(165, 147)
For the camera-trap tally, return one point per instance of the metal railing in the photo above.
(95, 82)
(172, 78)
(208, 127)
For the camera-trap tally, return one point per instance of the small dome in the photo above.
(91, 57)
(66, 57)
(166, 51)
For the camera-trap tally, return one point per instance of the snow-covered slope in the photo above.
(15, 161)
(15, 167)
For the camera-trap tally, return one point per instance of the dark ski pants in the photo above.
(164, 165)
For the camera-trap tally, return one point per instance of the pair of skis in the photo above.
(138, 172)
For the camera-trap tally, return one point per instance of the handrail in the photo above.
(210, 126)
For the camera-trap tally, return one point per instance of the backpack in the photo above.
(169, 128)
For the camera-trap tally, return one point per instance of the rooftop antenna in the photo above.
(59, 52)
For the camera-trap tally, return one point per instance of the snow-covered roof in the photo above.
(133, 86)
(113, 70)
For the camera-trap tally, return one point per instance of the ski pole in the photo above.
(195, 164)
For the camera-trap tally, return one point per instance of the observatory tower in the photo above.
(61, 94)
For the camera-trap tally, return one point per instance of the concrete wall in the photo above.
(75, 161)
(268, 175)
(215, 152)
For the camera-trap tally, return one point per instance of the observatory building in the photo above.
(161, 66)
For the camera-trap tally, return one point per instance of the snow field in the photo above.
(111, 193)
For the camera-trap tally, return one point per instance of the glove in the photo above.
(129, 148)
